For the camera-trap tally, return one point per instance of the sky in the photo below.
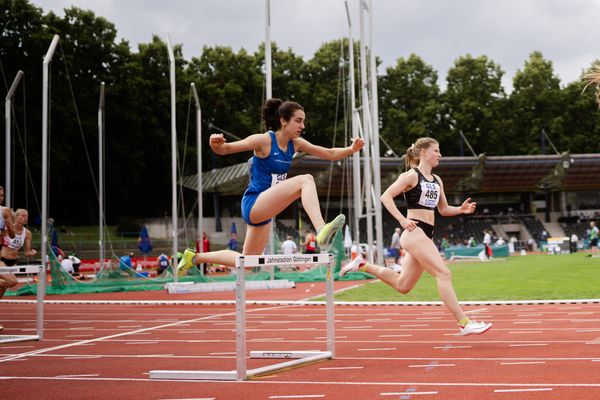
(439, 31)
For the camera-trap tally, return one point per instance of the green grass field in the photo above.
(531, 277)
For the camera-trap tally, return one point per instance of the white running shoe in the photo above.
(352, 266)
(474, 328)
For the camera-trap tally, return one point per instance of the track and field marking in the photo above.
(16, 347)
(92, 342)
(523, 363)
(82, 357)
(378, 349)
(77, 376)
(299, 396)
(528, 322)
(339, 368)
(431, 365)
(450, 347)
(528, 344)
(406, 393)
(393, 336)
(522, 390)
(524, 332)
(195, 398)
(358, 327)
(145, 342)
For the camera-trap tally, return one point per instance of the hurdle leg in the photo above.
(240, 317)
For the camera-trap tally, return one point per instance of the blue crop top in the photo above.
(271, 170)
(425, 194)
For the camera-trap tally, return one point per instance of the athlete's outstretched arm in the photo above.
(255, 142)
(332, 154)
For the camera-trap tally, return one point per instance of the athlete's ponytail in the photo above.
(592, 77)
(414, 151)
(275, 109)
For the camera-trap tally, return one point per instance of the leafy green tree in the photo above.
(535, 105)
(581, 119)
(409, 103)
(473, 100)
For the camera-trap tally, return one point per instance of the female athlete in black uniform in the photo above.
(423, 191)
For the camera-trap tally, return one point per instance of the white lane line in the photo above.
(338, 368)
(145, 342)
(266, 339)
(523, 363)
(448, 347)
(299, 396)
(528, 344)
(528, 322)
(524, 332)
(73, 336)
(377, 319)
(77, 376)
(357, 327)
(378, 349)
(391, 336)
(129, 326)
(224, 353)
(325, 337)
(301, 329)
(430, 365)
(81, 357)
(17, 347)
(522, 390)
(414, 326)
(406, 393)
(195, 398)
(587, 330)
(595, 360)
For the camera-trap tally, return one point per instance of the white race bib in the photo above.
(277, 178)
(430, 194)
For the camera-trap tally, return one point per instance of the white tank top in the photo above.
(17, 242)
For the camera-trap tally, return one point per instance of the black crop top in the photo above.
(425, 195)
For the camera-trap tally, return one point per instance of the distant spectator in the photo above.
(395, 245)
(487, 243)
(233, 242)
(310, 242)
(289, 246)
(125, 262)
(593, 236)
(163, 263)
(574, 242)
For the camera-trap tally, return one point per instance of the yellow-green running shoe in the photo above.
(328, 231)
(186, 262)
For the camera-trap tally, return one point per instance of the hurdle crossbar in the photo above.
(295, 357)
(41, 290)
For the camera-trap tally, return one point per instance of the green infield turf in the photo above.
(531, 277)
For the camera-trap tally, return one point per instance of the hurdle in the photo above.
(297, 357)
(41, 291)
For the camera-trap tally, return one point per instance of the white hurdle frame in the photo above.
(299, 357)
(41, 290)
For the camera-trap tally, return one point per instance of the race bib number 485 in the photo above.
(430, 194)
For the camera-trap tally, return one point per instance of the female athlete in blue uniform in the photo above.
(269, 192)
(424, 192)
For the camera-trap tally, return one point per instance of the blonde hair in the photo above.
(592, 77)
(414, 151)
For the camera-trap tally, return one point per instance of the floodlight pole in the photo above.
(8, 137)
(101, 175)
(199, 162)
(354, 115)
(375, 133)
(44, 242)
(173, 157)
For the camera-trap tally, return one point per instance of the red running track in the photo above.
(105, 351)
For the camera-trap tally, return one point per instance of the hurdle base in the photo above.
(17, 338)
(312, 356)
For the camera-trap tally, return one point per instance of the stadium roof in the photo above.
(482, 174)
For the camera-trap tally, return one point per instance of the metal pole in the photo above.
(173, 157)
(101, 175)
(269, 88)
(355, 125)
(8, 137)
(44, 244)
(366, 130)
(199, 161)
(268, 95)
(375, 133)
(330, 307)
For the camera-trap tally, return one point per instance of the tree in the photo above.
(535, 105)
(410, 103)
(473, 102)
